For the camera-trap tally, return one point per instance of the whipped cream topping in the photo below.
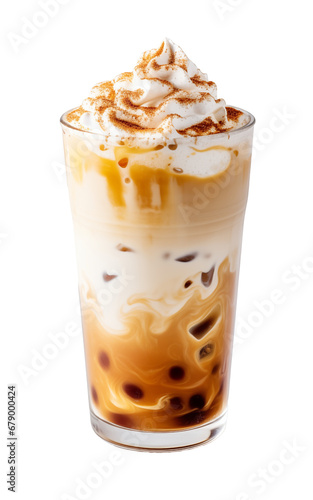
(165, 96)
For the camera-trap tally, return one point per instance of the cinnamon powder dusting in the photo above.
(106, 89)
(127, 126)
(206, 127)
(75, 114)
(233, 114)
(130, 109)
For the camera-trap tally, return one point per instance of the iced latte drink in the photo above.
(158, 174)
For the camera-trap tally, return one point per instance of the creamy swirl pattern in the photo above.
(165, 96)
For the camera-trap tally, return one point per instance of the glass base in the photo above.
(158, 440)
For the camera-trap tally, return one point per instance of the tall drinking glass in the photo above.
(158, 230)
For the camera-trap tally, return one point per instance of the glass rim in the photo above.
(146, 139)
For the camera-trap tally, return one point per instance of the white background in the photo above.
(259, 54)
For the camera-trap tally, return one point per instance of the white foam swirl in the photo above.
(166, 95)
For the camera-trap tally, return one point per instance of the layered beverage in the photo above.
(158, 174)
